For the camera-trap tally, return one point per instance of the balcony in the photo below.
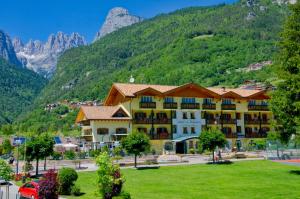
(170, 105)
(209, 106)
(152, 121)
(258, 108)
(256, 135)
(230, 135)
(212, 121)
(147, 104)
(228, 121)
(228, 107)
(160, 136)
(257, 121)
(190, 106)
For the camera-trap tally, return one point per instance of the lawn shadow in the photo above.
(295, 172)
(222, 162)
(147, 167)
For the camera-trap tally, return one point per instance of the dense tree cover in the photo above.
(286, 99)
(203, 45)
(18, 88)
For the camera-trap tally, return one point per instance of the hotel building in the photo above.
(174, 116)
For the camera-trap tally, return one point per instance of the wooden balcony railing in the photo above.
(258, 107)
(170, 105)
(228, 121)
(256, 121)
(150, 121)
(147, 104)
(255, 135)
(228, 107)
(230, 135)
(209, 106)
(160, 136)
(190, 106)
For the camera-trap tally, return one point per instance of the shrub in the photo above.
(70, 155)
(75, 190)
(109, 177)
(123, 195)
(27, 167)
(66, 178)
(56, 155)
(48, 185)
(94, 153)
(192, 151)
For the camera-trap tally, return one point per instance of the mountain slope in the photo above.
(18, 88)
(7, 50)
(203, 45)
(42, 57)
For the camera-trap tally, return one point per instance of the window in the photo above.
(142, 130)
(238, 116)
(146, 99)
(239, 129)
(252, 102)
(169, 100)
(226, 116)
(192, 115)
(29, 185)
(140, 115)
(207, 101)
(188, 100)
(185, 130)
(193, 131)
(174, 114)
(121, 131)
(161, 116)
(120, 113)
(226, 101)
(174, 129)
(102, 131)
(264, 103)
(184, 115)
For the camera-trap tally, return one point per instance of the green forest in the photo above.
(205, 45)
(18, 88)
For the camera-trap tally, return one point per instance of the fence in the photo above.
(278, 151)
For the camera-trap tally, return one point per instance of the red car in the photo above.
(29, 190)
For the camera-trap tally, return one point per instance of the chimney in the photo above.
(223, 89)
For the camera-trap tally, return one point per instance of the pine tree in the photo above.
(285, 100)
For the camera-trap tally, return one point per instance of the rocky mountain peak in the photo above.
(42, 57)
(117, 18)
(7, 49)
(17, 44)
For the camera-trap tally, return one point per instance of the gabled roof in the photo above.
(100, 113)
(130, 90)
(242, 93)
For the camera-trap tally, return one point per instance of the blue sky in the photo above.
(37, 19)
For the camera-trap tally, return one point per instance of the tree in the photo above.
(136, 143)
(48, 185)
(7, 147)
(285, 101)
(38, 148)
(47, 149)
(274, 137)
(66, 178)
(5, 173)
(110, 181)
(210, 139)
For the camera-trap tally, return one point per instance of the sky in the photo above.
(37, 19)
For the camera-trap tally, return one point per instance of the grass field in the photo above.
(241, 180)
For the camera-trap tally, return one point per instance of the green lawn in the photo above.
(242, 180)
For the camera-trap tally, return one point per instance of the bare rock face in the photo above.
(7, 51)
(117, 18)
(42, 57)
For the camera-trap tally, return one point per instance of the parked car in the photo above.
(29, 190)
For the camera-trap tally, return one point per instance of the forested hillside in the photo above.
(18, 88)
(204, 45)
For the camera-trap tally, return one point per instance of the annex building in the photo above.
(174, 116)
